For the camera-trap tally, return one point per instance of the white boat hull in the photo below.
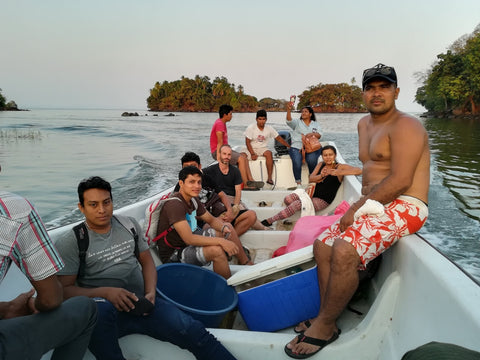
(417, 296)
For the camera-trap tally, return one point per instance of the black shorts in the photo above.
(236, 217)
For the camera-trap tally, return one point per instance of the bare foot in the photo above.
(304, 346)
(303, 326)
(312, 340)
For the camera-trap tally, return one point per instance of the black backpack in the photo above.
(83, 241)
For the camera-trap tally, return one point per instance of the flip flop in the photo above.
(248, 188)
(270, 182)
(257, 184)
(312, 341)
(307, 323)
(264, 222)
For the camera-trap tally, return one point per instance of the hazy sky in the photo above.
(109, 53)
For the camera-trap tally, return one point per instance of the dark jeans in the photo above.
(66, 329)
(166, 323)
(311, 159)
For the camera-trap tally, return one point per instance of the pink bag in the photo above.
(308, 228)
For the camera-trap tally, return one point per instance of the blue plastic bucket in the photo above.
(203, 294)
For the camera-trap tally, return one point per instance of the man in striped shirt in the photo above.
(31, 326)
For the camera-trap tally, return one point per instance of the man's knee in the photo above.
(321, 251)
(344, 255)
(83, 305)
(248, 216)
(214, 253)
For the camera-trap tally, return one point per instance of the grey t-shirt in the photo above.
(110, 259)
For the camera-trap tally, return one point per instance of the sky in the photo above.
(109, 53)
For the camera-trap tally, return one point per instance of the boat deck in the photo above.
(417, 296)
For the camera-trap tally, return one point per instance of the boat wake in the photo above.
(143, 161)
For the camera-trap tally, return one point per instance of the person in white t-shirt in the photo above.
(256, 139)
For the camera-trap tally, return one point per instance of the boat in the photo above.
(417, 295)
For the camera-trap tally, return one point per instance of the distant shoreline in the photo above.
(443, 115)
(253, 112)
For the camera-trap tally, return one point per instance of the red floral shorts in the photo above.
(373, 234)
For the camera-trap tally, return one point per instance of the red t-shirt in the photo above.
(218, 125)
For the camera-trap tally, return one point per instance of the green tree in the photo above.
(333, 98)
(270, 104)
(199, 94)
(11, 105)
(453, 82)
(2, 101)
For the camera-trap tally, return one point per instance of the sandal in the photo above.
(307, 324)
(312, 341)
(265, 222)
(256, 184)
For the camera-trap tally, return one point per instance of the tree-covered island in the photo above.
(4, 105)
(452, 85)
(201, 94)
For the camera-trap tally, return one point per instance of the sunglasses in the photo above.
(379, 69)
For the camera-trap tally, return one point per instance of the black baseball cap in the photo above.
(379, 71)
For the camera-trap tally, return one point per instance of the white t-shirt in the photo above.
(259, 138)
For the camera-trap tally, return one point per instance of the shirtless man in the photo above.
(393, 148)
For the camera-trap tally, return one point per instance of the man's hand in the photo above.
(326, 171)
(254, 156)
(122, 299)
(226, 230)
(151, 297)
(347, 219)
(228, 217)
(229, 247)
(22, 305)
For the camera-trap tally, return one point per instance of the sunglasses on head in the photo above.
(378, 69)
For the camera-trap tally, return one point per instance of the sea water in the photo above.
(45, 153)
